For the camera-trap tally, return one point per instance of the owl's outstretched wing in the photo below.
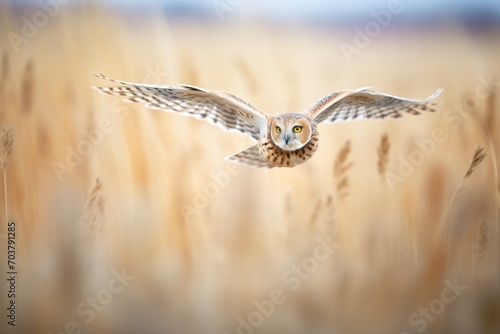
(222, 109)
(362, 103)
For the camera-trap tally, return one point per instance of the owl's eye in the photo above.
(278, 129)
(297, 129)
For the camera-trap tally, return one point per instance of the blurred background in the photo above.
(129, 220)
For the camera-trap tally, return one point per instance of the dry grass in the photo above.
(6, 148)
(6, 144)
(93, 218)
(340, 168)
(27, 87)
(249, 228)
(483, 238)
(478, 156)
(383, 154)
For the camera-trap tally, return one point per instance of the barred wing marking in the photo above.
(222, 109)
(361, 103)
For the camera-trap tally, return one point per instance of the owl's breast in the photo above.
(278, 157)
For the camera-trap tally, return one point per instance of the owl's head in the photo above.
(291, 131)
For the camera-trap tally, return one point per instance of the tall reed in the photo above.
(6, 148)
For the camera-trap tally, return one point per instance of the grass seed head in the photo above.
(6, 144)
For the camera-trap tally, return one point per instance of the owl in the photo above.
(284, 140)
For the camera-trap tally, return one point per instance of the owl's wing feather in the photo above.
(222, 109)
(250, 157)
(361, 103)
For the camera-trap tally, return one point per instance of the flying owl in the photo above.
(284, 140)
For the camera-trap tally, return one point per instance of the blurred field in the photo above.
(202, 253)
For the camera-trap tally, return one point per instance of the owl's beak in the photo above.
(287, 138)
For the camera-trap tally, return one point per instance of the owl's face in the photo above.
(290, 132)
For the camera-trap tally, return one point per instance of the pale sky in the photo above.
(337, 10)
(344, 7)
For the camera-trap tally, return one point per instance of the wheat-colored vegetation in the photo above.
(205, 241)
(6, 148)
(383, 154)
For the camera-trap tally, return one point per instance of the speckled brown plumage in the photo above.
(278, 157)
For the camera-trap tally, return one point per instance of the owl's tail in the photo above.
(250, 157)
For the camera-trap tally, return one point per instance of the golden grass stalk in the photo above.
(495, 169)
(27, 87)
(6, 148)
(383, 154)
(93, 216)
(323, 212)
(6, 144)
(316, 212)
(4, 74)
(483, 237)
(330, 214)
(480, 246)
(491, 111)
(5, 67)
(340, 168)
(478, 156)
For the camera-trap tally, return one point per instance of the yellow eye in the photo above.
(278, 129)
(297, 129)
